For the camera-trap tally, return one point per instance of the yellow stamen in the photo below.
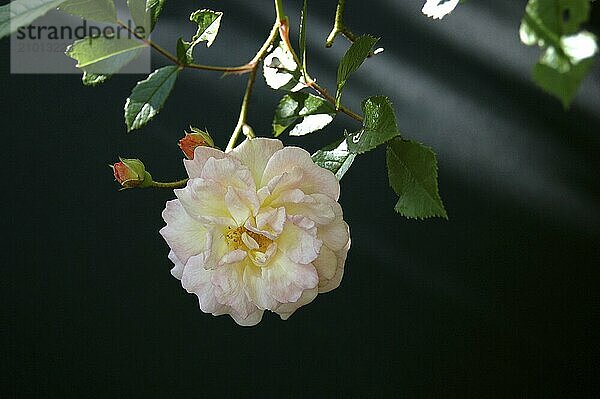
(233, 236)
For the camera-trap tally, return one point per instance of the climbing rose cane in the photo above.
(257, 228)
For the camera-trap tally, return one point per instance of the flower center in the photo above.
(242, 238)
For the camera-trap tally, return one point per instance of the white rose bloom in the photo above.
(437, 9)
(258, 228)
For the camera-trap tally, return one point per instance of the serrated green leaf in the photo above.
(302, 37)
(90, 79)
(281, 71)
(563, 85)
(93, 10)
(335, 157)
(315, 113)
(412, 172)
(352, 60)
(379, 125)
(23, 12)
(149, 96)
(104, 56)
(208, 26)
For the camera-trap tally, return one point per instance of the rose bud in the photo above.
(131, 173)
(193, 139)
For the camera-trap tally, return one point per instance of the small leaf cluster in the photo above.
(555, 26)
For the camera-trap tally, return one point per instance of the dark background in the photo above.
(499, 301)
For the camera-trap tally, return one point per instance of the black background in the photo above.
(499, 301)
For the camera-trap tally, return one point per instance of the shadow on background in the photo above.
(499, 301)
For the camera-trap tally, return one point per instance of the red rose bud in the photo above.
(131, 173)
(193, 139)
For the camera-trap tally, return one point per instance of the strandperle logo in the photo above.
(83, 31)
(60, 42)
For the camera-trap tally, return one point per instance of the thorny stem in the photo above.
(238, 69)
(313, 85)
(339, 26)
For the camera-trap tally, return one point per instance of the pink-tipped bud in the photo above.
(131, 173)
(193, 139)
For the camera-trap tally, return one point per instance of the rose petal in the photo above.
(317, 207)
(201, 155)
(204, 200)
(336, 234)
(327, 263)
(228, 172)
(314, 178)
(253, 318)
(287, 309)
(229, 289)
(185, 235)
(285, 279)
(235, 256)
(255, 153)
(177, 270)
(298, 244)
(197, 280)
(239, 209)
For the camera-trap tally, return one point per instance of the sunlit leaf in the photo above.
(90, 79)
(23, 12)
(93, 10)
(312, 113)
(208, 27)
(335, 157)
(104, 56)
(379, 125)
(155, 7)
(145, 13)
(281, 71)
(139, 13)
(438, 9)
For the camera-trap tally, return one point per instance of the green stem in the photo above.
(255, 62)
(279, 9)
(174, 184)
(339, 26)
(243, 111)
(313, 85)
(237, 69)
(260, 54)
